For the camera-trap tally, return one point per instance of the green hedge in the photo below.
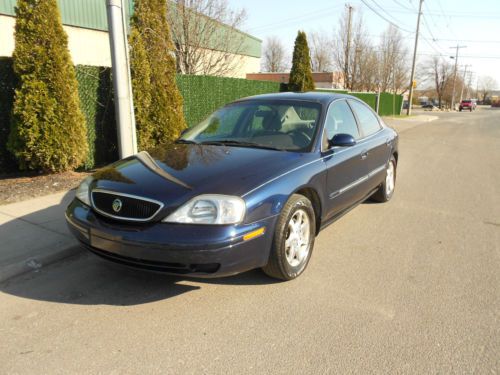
(390, 104)
(204, 94)
(337, 91)
(96, 100)
(368, 97)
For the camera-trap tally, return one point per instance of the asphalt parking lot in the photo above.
(411, 286)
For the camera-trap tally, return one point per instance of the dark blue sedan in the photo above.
(251, 186)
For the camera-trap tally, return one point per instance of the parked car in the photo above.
(467, 104)
(249, 187)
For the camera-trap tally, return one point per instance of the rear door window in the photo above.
(368, 121)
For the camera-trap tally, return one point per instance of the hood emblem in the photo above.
(117, 205)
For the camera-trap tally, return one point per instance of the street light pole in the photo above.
(412, 77)
(124, 106)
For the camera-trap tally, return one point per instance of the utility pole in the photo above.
(463, 82)
(455, 76)
(412, 76)
(124, 106)
(348, 47)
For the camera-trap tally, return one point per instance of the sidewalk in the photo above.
(401, 124)
(33, 233)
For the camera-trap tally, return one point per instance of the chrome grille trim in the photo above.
(161, 205)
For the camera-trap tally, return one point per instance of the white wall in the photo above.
(87, 47)
(248, 64)
(6, 35)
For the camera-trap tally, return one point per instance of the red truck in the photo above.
(467, 104)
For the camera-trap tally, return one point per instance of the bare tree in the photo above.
(362, 66)
(439, 72)
(321, 47)
(366, 78)
(274, 56)
(339, 50)
(206, 37)
(393, 64)
(486, 84)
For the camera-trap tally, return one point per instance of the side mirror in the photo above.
(342, 140)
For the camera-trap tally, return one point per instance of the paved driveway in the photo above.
(411, 286)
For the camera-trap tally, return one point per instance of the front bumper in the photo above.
(194, 250)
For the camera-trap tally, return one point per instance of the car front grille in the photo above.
(124, 206)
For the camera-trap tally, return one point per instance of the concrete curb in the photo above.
(36, 263)
(403, 124)
(34, 234)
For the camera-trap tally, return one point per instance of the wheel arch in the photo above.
(311, 194)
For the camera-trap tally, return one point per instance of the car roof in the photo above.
(311, 96)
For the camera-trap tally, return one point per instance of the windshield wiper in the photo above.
(186, 141)
(229, 142)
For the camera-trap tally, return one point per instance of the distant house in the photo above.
(330, 80)
(85, 23)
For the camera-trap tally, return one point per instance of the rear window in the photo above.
(367, 120)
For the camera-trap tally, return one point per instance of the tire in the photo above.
(386, 189)
(292, 245)
(460, 109)
(471, 109)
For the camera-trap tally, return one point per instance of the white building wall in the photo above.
(86, 46)
(248, 64)
(91, 47)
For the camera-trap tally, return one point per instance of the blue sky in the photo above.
(475, 24)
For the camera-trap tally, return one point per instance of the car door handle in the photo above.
(364, 154)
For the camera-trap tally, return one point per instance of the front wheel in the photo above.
(293, 239)
(386, 189)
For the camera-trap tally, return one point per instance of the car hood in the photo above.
(175, 173)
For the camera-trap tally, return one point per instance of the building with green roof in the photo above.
(86, 24)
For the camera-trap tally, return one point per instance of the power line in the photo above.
(403, 6)
(390, 16)
(450, 15)
(315, 14)
(383, 17)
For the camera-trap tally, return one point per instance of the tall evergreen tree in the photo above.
(48, 130)
(157, 100)
(300, 75)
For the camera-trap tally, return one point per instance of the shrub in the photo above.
(157, 100)
(48, 129)
(300, 75)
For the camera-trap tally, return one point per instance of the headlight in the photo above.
(210, 209)
(82, 193)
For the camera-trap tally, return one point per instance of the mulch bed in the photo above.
(15, 188)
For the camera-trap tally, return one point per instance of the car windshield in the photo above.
(279, 125)
(466, 101)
